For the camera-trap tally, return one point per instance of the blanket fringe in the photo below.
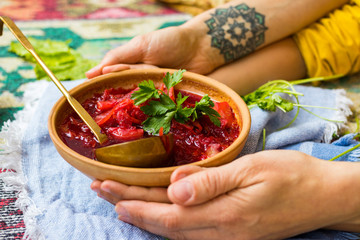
(343, 104)
(11, 136)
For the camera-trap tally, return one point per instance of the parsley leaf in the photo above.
(182, 114)
(157, 108)
(170, 80)
(275, 101)
(161, 109)
(153, 124)
(267, 96)
(147, 90)
(205, 106)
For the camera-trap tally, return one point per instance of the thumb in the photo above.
(184, 171)
(203, 186)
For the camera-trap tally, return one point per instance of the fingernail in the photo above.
(181, 175)
(94, 69)
(123, 213)
(105, 188)
(89, 72)
(182, 190)
(93, 186)
(176, 177)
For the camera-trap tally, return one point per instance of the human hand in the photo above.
(174, 47)
(267, 195)
(114, 192)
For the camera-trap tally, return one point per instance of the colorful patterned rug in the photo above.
(30, 10)
(94, 27)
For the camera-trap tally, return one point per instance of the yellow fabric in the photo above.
(332, 45)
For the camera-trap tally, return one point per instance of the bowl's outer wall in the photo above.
(129, 79)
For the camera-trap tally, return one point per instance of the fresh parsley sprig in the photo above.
(161, 109)
(267, 97)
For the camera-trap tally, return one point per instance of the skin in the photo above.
(190, 46)
(259, 196)
(267, 59)
(267, 195)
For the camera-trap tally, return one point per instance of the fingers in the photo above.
(115, 68)
(94, 72)
(202, 186)
(109, 60)
(96, 186)
(121, 67)
(130, 53)
(170, 220)
(114, 192)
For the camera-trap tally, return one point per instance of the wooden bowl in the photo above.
(129, 79)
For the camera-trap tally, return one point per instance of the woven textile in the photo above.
(30, 10)
(94, 27)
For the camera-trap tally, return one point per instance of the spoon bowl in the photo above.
(145, 152)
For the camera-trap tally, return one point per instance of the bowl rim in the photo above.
(243, 110)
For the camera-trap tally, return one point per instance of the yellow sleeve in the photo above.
(332, 45)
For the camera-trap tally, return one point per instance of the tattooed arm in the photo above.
(240, 27)
(217, 37)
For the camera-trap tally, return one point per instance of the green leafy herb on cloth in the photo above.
(266, 96)
(65, 62)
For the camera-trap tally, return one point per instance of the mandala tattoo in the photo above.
(236, 31)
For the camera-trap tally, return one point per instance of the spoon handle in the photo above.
(84, 115)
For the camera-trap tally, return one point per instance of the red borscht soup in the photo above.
(121, 120)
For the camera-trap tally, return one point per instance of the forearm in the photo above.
(280, 60)
(347, 183)
(240, 27)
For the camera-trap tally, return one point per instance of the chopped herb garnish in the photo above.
(161, 109)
